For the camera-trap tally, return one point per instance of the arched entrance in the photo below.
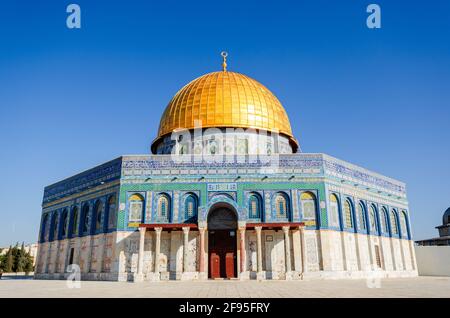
(222, 243)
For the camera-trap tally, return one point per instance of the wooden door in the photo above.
(214, 265)
(230, 265)
(222, 254)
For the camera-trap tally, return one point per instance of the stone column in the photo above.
(37, 266)
(242, 249)
(303, 249)
(100, 252)
(259, 274)
(185, 248)
(43, 257)
(344, 252)
(49, 257)
(394, 260)
(402, 254)
(56, 268)
(67, 255)
(138, 276)
(158, 231)
(259, 248)
(287, 249)
(296, 250)
(412, 254)
(140, 268)
(202, 273)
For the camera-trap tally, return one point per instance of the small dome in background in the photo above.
(446, 217)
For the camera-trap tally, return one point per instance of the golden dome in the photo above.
(225, 99)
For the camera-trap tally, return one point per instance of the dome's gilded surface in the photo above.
(225, 99)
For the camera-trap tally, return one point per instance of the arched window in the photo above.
(55, 226)
(190, 206)
(404, 224)
(213, 147)
(308, 201)
(112, 212)
(384, 220)
(373, 219)
(136, 208)
(64, 223)
(254, 206)
(362, 216)
(85, 219)
(163, 208)
(394, 223)
(334, 210)
(74, 221)
(182, 145)
(98, 212)
(242, 146)
(348, 213)
(281, 206)
(269, 148)
(44, 227)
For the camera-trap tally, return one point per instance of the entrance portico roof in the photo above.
(274, 225)
(174, 226)
(170, 226)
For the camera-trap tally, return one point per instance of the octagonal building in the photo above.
(225, 193)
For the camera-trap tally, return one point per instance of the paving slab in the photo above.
(394, 287)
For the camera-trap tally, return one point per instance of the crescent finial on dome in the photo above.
(224, 63)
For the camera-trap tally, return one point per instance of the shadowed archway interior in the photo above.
(222, 217)
(222, 243)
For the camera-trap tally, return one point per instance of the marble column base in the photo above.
(164, 275)
(189, 276)
(261, 275)
(153, 277)
(202, 276)
(244, 275)
(290, 275)
(137, 278)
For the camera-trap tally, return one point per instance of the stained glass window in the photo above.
(269, 148)
(183, 149)
(44, 227)
(384, 220)
(394, 223)
(55, 226)
(112, 211)
(254, 207)
(403, 224)
(308, 202)
(348, 214)
(74, 221)
(334, 211)
(162, 206)
(64, 223)
(373, 219)
(281, 206)
(98, 215)
(242, 146)
(85, 219)
(136, 208)
(190, 206)
(213, 147)
(361, 216)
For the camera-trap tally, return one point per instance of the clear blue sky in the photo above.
(72, 99)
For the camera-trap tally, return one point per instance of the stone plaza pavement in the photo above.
(398, 287)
